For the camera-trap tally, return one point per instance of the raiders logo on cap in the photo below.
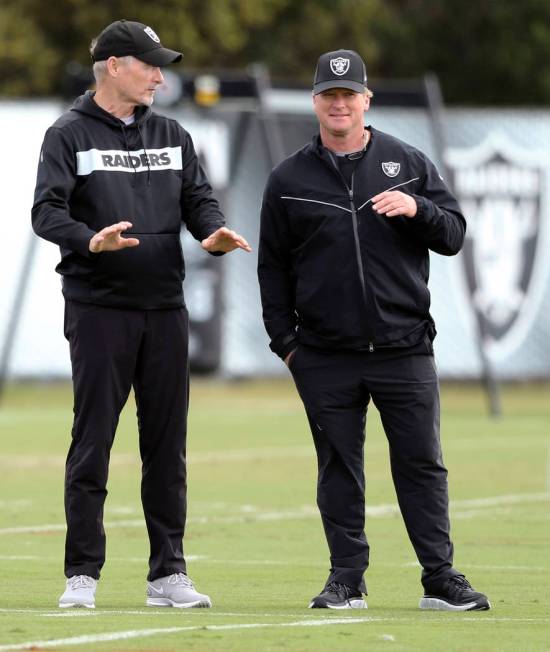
(340, 69)
(339, 66)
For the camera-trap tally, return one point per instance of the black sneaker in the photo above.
(454, 594)
(338, 596)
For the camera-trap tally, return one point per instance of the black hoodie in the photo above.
(95, 171)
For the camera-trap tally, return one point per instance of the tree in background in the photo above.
(27, 61)
(486, 52)
(44, 37)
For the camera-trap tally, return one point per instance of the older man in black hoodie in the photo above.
(115, 183)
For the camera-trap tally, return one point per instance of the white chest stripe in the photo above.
(388, 189)
(315, 201)
(117, 160)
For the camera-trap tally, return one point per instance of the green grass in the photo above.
(254, 539)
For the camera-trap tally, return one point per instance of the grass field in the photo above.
(254, 540)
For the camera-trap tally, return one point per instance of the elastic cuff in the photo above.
(421, 209)
(284, 345)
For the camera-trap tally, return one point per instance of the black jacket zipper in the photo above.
(358, 254)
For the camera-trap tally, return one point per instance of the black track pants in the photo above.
(336, 388)
(111, 350)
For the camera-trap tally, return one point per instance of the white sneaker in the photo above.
(175, 590)
(79, 592)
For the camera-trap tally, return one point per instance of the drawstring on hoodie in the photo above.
(146, 155)
(130, 157)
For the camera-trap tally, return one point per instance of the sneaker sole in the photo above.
(350, 604)
(441, 605)
(166, 602)
(75, 605)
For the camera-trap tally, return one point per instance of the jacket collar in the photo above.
(316, 146)
(85, 104)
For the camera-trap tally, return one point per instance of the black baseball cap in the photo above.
(340, 69)
(127, 38)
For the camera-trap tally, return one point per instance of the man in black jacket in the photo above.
(115, 182)
(346, 227)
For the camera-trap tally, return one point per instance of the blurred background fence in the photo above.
(497, 159)
(491, 303)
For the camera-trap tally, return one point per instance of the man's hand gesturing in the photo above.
(110, 239)
(225, 240)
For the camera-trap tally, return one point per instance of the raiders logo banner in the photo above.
(501, 189)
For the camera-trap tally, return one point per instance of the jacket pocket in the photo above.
(150, 274)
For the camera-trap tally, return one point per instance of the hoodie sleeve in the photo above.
(201, 211)
(56, 178)
(439, 222)
(275, 274)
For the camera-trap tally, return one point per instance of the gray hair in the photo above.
(100, 67)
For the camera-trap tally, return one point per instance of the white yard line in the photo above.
(307, 511)
(265, 562)
(258, 562)
(201, 613)
(88, 639)
(502, 567)
(493, 501)
(484, 512)
(86, 613)
(64, 613)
